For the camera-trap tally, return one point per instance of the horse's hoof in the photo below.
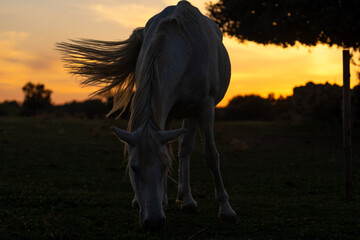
(189, 207)
(135, 203)
(228, 217)
(227, 214)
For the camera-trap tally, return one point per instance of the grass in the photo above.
(65, 179)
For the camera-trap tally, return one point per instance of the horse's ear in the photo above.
(124, 136)
(167, 136)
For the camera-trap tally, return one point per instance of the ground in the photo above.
(66, 179)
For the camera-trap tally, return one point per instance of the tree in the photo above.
(90, 108)
(251, 107)
(37, 99)
(284, 22)
(318, 101)
(9, 108)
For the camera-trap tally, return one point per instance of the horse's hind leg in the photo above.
(212, 160)
(185, 149)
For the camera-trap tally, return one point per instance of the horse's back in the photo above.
(193, 62)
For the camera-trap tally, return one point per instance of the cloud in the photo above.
(13, 35)
(132, 15)
(9, 41)
(18, 66)
(127, 15)
(13, 56)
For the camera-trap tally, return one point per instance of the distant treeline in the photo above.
(85, 109)
(309, 102)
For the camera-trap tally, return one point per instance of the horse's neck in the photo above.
(146, 116)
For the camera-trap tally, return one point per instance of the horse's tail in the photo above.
(109, 65)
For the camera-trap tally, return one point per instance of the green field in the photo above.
(66, 179)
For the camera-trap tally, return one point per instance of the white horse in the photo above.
(177, 66)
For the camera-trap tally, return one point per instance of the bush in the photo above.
(37, 99)
(87, 109)
(318, 101)
(9, 108)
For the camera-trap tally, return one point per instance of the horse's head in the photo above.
(149, 161)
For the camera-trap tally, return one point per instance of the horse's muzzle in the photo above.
(153, 223)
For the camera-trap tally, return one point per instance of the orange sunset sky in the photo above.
(30, 29)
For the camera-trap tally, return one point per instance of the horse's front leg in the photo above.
(206, 121)
(186, 147)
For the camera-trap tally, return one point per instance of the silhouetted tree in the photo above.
(9, 108)
(283, 22)
(257, 108)
(37, 99)
(318, 101)
(251, 107)
(284, 109)
(91, 108)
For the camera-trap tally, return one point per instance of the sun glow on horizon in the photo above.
(261, 70)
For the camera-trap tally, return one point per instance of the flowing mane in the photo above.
(109, 65)
(146, 103)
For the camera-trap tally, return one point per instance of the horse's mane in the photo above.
(146, 111)
(146, 103)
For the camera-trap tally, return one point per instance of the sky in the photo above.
(30, 29)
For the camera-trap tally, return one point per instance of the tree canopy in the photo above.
(283, 22)
(37, 99)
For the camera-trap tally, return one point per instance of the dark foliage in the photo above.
(254, 107)
(9, 108)
(251, 107)
(318, 101)
(355, 102)
(310, 102)
(37, 99)
(92, 108)
(283, 22)
(88, 109)
(284, 108)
